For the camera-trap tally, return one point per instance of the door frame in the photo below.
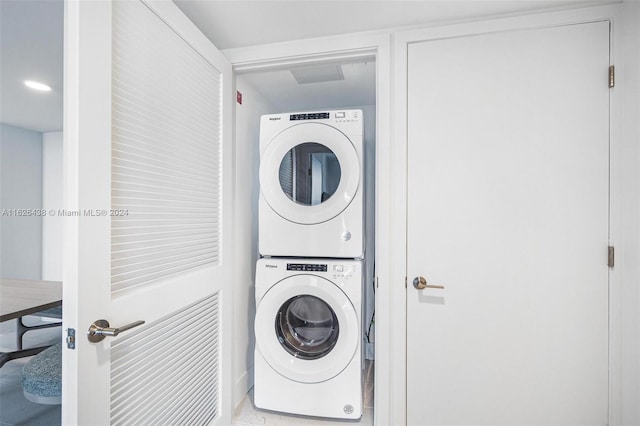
(340, 49)
(620, 221)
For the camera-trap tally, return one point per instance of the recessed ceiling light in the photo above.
(37, 86)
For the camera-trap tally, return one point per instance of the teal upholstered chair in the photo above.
(42, 377)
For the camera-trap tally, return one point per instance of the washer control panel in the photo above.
(313, 267)
(342, 271)
(335, 270)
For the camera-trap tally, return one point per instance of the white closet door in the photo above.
(508, 170)
(147, 169)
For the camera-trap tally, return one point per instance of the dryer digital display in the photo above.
(309, 116)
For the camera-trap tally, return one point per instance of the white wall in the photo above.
(31, 179)
(626, 226)
(20, 188)
(52, 200)
(369, 116)
(247, 154)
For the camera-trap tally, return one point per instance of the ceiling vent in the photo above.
(318, 74)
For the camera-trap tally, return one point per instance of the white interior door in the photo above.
(147, 185)
(508, 171)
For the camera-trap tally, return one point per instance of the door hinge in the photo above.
(612, 76)
(405, 282)
(611, 257)
(71, 338)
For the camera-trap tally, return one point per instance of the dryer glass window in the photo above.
(307, 327)
(309, 173)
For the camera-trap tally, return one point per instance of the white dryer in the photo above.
(311, 184)
(308, 355)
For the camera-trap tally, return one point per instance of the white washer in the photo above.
(308, 356)
(311, 184)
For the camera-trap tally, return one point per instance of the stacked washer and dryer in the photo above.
(309, 281)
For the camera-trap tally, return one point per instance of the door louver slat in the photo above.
(166, 152)
(159, 376)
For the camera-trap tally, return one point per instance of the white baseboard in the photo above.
(242, 386)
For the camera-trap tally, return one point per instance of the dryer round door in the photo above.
(306, 329)
(309, 173)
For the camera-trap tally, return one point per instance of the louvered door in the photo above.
(147, 154)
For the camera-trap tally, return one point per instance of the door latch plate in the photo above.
(71, 338)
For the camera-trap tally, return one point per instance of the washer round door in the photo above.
(306, 329)
(309, 173)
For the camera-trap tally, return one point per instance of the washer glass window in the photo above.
(307, 327)
(309, 173)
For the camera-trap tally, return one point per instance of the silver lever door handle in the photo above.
(100, 329)
(421, 283)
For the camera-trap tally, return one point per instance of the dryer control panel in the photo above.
(351, 116)
(309, 116)
(347, 116)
